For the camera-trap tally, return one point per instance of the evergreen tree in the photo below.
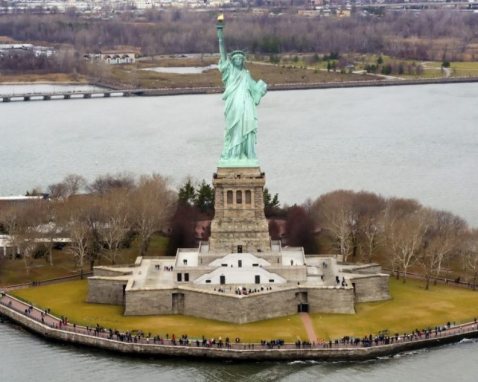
(187, 193)
(204, 199)
(271, 203)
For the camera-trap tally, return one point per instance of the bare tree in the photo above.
(335, 214)
(469, 252)
(58, 191)
(10, 220)
(106, 183)
(47, 229)
(152, 205)
(115, 223)
(441, 238)
(404, 238)
(75, 217)
(370, 209)
(74, 184)
(21, 222)
(71, 185)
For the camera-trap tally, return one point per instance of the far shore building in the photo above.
(18, 49)
(112, 57)
(239, 275)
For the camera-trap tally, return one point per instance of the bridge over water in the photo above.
(102, 93)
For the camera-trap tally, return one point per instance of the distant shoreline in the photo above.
(275, 87)
(311, 86)
(372, 83)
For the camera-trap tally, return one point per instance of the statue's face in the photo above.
(238, 61)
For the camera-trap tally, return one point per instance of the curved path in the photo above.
(345, 349)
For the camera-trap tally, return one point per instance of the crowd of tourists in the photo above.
(243, 291)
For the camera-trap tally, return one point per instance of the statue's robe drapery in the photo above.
(241, 96)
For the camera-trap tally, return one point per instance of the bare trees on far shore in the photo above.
(428, 35)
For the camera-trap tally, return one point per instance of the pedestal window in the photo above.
(238, 197)
(248, 197)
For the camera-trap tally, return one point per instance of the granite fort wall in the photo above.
(193, 272)
(149, 302)
(109, 272)
(227, 307)
(103, 291)
(238, 309)
(331, 300)
(297, 273)
(371, 288)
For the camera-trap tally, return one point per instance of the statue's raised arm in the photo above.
(220, 37)
(241, 95)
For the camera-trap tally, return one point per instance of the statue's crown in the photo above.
(237, 53)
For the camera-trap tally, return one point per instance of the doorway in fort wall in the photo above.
(302, 302)
(178, 303)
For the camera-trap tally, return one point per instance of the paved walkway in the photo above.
(339, 344)
(309, 327)
(31, 311)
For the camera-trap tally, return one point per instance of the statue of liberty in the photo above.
(241, 95)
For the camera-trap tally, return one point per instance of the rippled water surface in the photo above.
(413, 141)
(407, 141)
(24, 357)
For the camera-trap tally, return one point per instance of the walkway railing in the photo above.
(383, 341)
(76, 276)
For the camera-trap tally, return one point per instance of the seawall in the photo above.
(240, 352)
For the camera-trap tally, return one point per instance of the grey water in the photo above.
(24, 357)
(408, 141)
(414, 141)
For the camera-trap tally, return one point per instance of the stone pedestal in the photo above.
(239, 222)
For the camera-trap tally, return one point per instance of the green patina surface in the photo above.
(241, 96)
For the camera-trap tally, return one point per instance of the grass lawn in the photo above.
(411, 307)
(47, 77)
(465, 68)
(14, 272)
(68, 299)
(270, 73)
